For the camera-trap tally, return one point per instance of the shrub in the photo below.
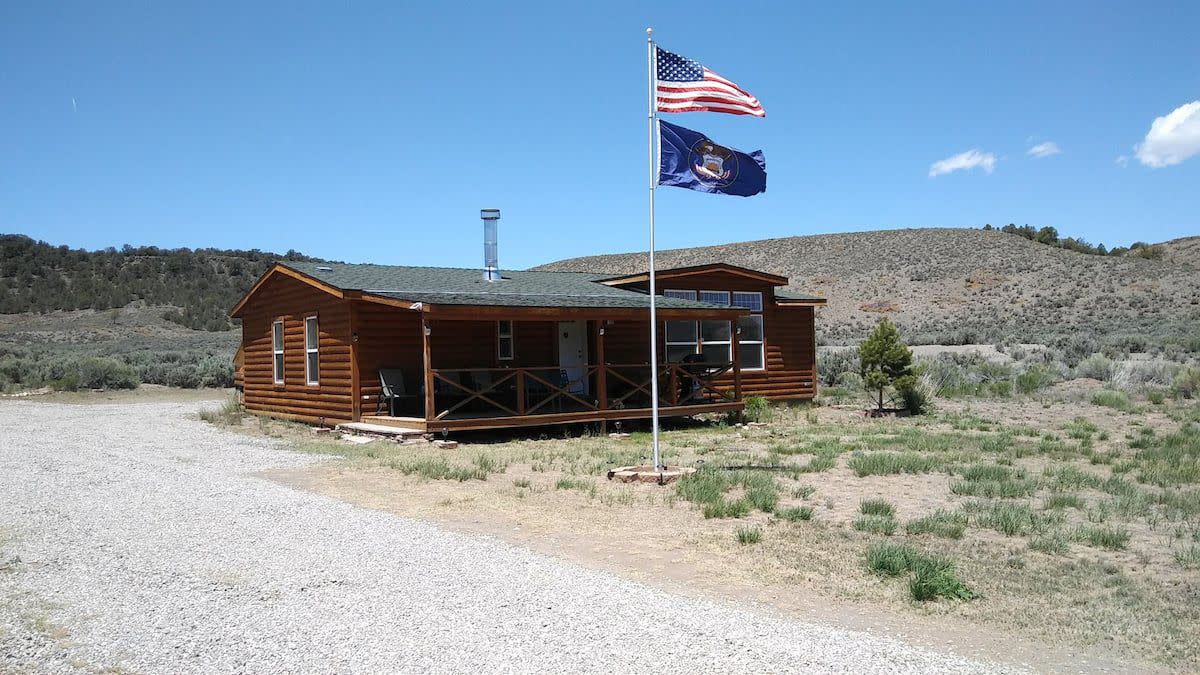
(947, 524)
(98, 373)
(1187, 383)
(1096, 367)
(758, 409)
(796, 513)
(1111, 398)
(913, 393)
(1034, 378)
(749, 535)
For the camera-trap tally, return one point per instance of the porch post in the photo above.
(602, 371)
(427, 366)
(734, 330)
(355, 377)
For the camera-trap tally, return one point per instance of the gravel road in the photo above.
(135, 537)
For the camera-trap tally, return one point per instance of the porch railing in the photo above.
(480, 392)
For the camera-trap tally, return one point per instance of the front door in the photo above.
(572, 354)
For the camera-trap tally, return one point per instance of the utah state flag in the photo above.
(689, 159)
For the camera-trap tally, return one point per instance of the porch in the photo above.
(541, 372)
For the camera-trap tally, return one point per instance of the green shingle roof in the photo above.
(457, 286)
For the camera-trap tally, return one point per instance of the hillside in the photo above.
(953, 286)
(1185, 250)
(198, 285)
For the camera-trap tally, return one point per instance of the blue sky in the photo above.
(375, 132)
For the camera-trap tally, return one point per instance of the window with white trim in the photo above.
(504, 340)
(277, 351)
(715, 345)
(680, 336)
(312, 341)
(750, 330)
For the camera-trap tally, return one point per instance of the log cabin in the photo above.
(444, 349)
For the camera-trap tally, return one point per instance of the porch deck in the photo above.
(492, 398)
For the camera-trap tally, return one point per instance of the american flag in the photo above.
(683, 85)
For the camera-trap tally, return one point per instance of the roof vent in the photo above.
(491, 263)
(324, 268)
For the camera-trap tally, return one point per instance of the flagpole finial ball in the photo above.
(649, 31)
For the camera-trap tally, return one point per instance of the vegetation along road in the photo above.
(141, 539)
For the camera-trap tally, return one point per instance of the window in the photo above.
(312, 339)
(750, 335)
(277, 351)
(504, 340)
(715, 344)
(681, 336)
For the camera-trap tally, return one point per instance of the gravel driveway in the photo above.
(145, 544)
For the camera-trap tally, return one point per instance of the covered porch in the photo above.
(500, 367)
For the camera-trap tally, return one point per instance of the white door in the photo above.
(572, 354)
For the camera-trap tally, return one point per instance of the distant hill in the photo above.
(202, 284)
(1185, 251)
(955, 286)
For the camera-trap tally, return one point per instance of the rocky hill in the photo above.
(956, 286)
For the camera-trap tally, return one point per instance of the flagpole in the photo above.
(651, 76)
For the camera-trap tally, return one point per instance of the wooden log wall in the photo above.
(789, 339)
(291, 300)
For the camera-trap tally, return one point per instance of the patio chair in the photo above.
(391, 388)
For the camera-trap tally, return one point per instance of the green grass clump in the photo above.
(749, 535)
(1102, 536)
(796, 513)
(724, 508)
(888, 463)
(1111, 398)
(980, 472)
(1070, 478)
(885, 525)
(570, 484)
(940, 523)
(803, 491)
(1010, 488)
(703, 487)
(1062, 500)
(763, 499)
(1189, 557)
(521, 483)
(1012, 519)
(439, 469)
(1054, 544)
(934, 578)
(877, 507)
(891, 560)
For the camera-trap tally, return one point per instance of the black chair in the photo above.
(391, 388)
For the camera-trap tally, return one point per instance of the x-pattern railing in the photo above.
(697, 380)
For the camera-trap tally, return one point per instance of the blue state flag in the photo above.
(691, 160)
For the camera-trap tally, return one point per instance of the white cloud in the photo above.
(1044, 149)
(963, 161)
(1172, 138)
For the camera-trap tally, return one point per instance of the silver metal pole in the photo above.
(652, 76)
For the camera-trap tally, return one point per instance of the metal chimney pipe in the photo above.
(491, 262)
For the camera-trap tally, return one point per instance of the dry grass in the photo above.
(1076, 554)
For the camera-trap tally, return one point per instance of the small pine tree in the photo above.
(884, 359)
